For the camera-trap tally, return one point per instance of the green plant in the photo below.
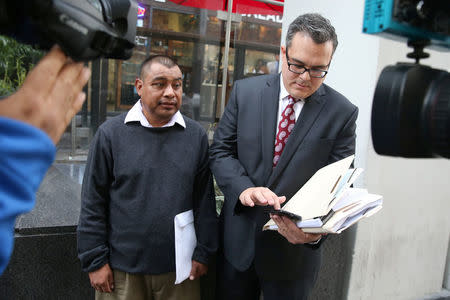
(16, 60)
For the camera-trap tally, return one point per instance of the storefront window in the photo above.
(174, 21)
(258, 33)
(259, 62)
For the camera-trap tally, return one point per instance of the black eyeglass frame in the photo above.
(325, 72)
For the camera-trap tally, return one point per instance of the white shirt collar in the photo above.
(135, 114)
(283, 102)
(283, 92)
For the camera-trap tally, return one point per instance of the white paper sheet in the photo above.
(185, 242)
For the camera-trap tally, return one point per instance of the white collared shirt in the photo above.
(283, 101)
(135, 114)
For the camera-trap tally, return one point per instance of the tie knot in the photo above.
(292, 99)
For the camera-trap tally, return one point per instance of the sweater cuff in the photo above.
(94, 259)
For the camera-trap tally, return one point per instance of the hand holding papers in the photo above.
(327, 204)
(185, 242)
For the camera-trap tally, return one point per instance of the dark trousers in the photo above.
(236, 285)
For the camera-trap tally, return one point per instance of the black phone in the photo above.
(281, 212)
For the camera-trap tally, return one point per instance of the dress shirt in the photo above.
(135, 114)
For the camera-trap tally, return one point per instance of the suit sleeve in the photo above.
(225, 165)
(92, 231)
(205, 217)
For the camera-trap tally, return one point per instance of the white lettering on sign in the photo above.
(272, 18)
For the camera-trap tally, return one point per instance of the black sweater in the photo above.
(136, 180)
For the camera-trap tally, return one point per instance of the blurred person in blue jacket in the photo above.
(32, 121)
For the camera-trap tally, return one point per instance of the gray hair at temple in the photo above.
(316, 26)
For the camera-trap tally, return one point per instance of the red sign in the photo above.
(239, 6)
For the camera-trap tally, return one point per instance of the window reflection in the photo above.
(259, 62)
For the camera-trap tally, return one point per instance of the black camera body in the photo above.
(411, 104)
(409, 20)
(84, 29)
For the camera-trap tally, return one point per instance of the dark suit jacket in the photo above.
(241, 157)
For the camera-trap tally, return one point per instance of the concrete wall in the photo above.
(400, 253)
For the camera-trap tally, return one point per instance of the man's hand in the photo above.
(102, 279)
(198, 269)
(50, 96)
(288, 229)
(260, 196)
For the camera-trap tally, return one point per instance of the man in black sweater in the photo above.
(145, 167)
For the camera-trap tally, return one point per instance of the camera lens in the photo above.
(436, 116)
(410, 112)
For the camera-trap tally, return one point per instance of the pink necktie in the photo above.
(285, 128)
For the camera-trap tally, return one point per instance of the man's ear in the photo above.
(283, 53)
(138, 84)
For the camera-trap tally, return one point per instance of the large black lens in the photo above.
(410, 112)
(436, 115)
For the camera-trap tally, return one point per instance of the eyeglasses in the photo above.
(299, 69)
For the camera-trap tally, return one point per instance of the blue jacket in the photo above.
(26, 153)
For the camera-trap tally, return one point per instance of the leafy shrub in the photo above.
(16, 60)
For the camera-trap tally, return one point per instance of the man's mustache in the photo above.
(167, 102)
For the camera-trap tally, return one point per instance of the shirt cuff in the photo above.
(315, 242)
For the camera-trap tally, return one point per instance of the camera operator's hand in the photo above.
(50, 96)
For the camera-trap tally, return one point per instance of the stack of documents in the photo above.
(327, 203)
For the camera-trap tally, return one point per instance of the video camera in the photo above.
(411, 104)
(84, 29)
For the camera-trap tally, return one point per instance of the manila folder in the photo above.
(314, 197)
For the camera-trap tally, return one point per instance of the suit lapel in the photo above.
(311, 109)
(269, 103)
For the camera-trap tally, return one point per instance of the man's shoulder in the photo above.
(251, 90)
(257, 80)
(337, 98)
(192, 125)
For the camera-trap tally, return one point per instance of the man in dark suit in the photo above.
(256, 165)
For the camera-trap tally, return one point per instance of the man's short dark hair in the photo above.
(315, 26)
(164, 60)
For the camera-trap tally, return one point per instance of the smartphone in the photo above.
(280, 212)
